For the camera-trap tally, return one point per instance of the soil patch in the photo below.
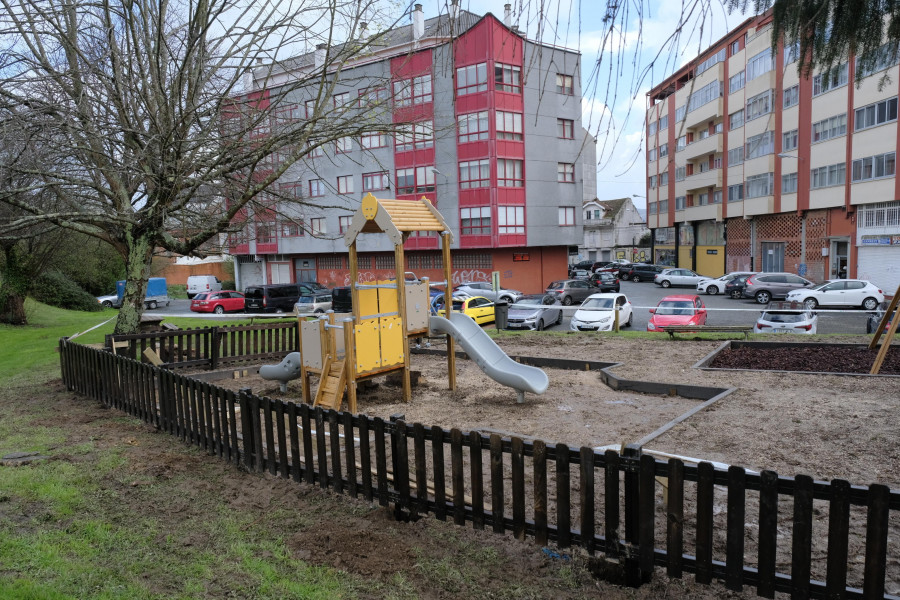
(827, 359)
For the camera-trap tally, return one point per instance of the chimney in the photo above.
(418, 22)
(454, 9)
(319, 56)
(507, 15)
(362, 30)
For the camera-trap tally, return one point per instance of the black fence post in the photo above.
(632, 458)
(214, 349)
(246, 427)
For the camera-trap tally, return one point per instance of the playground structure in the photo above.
(373, 340)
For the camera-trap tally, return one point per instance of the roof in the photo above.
(613, 207)
(394, 218)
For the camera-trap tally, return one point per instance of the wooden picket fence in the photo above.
(811, 539)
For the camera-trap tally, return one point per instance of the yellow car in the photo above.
(478, 307)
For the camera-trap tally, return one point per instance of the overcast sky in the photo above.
(614, 94)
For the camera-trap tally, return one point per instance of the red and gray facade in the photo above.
(496, 143)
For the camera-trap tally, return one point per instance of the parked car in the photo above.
(202, 283)
(580, 274)
(600, 265)
(681, 309)
(535, 311)
(734, 289)
(768, 286)
(313, 304)
(875, 317)
(218, 302)
(276, 297)
(605, 282)
(640, 272)
(157, 292)
(786, 317)
(615, 268)
(313, 286)
(582, 265)
(679, 277)
(840, 292)
(597, 313)
(484, 288)
(341, 300)
(570, 290)
(481, 309)
(110, 300)
(717, 285)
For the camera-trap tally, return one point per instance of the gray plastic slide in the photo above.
(287, 369)
(488, 355)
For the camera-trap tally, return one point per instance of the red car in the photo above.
(681, 309)
(218, 302)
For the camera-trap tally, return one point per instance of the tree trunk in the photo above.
(137, 271)
(13, 286)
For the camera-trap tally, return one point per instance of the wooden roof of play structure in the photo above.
(394, 218)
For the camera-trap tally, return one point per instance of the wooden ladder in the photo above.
(332, 383)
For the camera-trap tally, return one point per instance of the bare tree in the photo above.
(146, 110)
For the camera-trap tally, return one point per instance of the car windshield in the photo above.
(201, 296)
(556, 285)
(784, 317)
(253, 293)
(820, 286)
(533, 301)
(598, 303)
(675, 307)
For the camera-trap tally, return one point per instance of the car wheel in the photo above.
(567, 301)
(629, 321)
(539, 326)
(763, 297)
(736, 294)
(152, 305)
(665, 283)
(559, 318)
(107, 304)
(811, 303)
(869, 304)
(219, 310)
(712, 290)
(636, 278)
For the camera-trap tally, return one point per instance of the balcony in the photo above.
(707, 212)
(711, 145)
(596, 223)
(764, 205)
(701, 181)
(708, 112)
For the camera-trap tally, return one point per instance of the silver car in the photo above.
(535, 312)
(679, 277)
(484, 288)
(570, 290)
(315, 304)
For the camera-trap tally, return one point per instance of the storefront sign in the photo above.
(880, 240)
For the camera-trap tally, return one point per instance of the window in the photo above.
(882, 59)
(317, 226)
(663, 207)
(760, 64)
(652, 208)
(828, 176)
(829, 128)
(508, 78)
(343, 145)
(341, 99)
(703, 199)
(711, 61)
(471, 79)
(651, 130)
(509, 126)
(310, 106)
(475, 174)
(565, 129)
(414, 136)
(680, 173)
(511, 219)
(883, 214)
(873, 167)
(759, 105)
(835, 78)
(717, 197)
(651, 182)
(510, 173)
(314, 150)
(759, 185)
(651, 155)
(473, 127)
(566, 216)
(789, 183)
(680, 202)
(791, 52)
(565, 172)
(564, 84)
(316, 187)
(702, 134)
(415, 180)
(760, 145)
(791, 96)
(344, 223)
(736, 82)
(413, 91)
(265, 233)
(663, 179)
(681, 143)
(735, 156)
(372, 97)
(789, 140)
(375, 181)
(345, 184)
(704, 95)
(291, 229)
(679, 113)
(475, 221)
(374, 140)
(663, 150)
(735, 47)
(736, 192)
(664, 122)
(875, 114)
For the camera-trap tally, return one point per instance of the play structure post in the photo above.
(350, 362)
(448, 306)
(354, 277)
(400, 267)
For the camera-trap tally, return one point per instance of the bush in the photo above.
(55, 289)
(228, 284)
(176, 290)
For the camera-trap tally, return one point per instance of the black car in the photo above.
(584, 265)
(874, 318)
(735, 287)
(605, 282)
(342, 300)
(640, 272)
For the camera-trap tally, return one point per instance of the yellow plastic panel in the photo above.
(391, 341)
(387, 298)
(311, 349)
(368, 348)
(368, 303)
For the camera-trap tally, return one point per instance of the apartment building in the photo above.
(491, 135)
(752, 167)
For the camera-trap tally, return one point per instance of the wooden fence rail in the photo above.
(777, 534)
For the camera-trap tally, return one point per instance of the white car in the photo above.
(839, 292)
(484, 288)
(680, 277)
(717, 285)
(597, 313)
(786, 317)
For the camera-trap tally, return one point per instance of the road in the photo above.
(645, 295)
